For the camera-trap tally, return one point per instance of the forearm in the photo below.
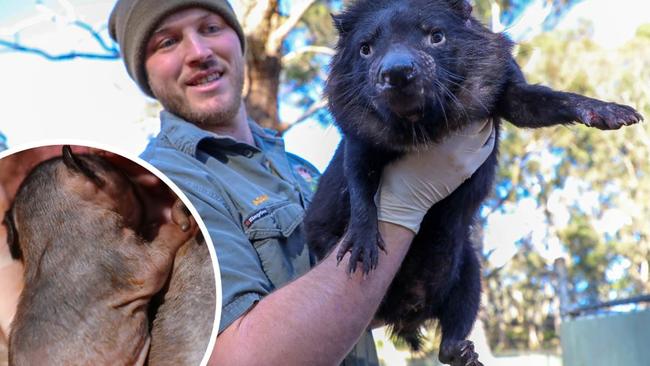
(316, 319)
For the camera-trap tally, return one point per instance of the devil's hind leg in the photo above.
(459, 311)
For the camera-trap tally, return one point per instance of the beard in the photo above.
(223, 115)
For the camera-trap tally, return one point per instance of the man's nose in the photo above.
(196, 48)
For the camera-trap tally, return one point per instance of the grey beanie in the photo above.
(132, 21)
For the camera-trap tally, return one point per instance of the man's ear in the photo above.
(75, 164)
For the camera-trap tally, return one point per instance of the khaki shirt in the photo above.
(252, 200)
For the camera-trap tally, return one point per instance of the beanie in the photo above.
(132, 21)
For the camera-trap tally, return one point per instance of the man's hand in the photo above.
(411, 185)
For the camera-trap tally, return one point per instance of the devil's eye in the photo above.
(365, 50)
(436, 37)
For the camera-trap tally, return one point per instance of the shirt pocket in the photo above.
(276, 234)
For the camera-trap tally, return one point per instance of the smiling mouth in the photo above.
(206, 79)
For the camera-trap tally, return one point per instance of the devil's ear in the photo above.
(462, 7)
(12, 236)
(78, 165)
(340, 24)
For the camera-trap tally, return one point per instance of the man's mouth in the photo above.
(205, 78)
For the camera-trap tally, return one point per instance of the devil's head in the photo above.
(407, 72)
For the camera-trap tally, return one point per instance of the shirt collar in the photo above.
(186, 136)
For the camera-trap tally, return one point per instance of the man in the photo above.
(279, 307)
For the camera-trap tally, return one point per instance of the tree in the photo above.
(266, 29)
(594, 194)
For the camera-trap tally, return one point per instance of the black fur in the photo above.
(406, 74)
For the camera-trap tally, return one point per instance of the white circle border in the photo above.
(136, 159)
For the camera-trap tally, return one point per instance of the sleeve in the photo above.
(243, 282)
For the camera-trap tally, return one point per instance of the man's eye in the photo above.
(166, 43)
(212, 28)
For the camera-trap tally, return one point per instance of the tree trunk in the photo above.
(261, 99)
(263, 65)
(265, 31)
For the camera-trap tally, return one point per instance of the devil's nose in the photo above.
(397, 73)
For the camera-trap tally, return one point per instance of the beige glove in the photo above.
(411, 185)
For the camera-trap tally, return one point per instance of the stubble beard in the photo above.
(223, 115)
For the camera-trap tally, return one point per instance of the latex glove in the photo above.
(411, 185)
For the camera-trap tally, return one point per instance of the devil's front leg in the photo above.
(527, 105)
(362, 239)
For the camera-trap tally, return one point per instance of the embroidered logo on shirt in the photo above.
(261, 199)
(304, 174)
(256, 216)
(308, 176)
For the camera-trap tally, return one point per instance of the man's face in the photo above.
(195, 67)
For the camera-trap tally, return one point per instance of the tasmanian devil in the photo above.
(92, 263)
(407, 73)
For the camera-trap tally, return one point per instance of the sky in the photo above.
(95, 100)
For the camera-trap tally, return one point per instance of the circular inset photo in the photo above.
(103, 261)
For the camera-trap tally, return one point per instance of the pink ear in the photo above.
(78, 165)
(12, 236)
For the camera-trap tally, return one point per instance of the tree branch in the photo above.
(58, 57)
(313, 108)
(253, 14)
(67, 6)
(306, 49)
(111, 48)
(278, 35)
(25, 23)
(69, 18)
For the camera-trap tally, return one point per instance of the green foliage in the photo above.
(319, 22)
(590, 258)
(301, 70)
(643, 31)
(483, 9)
(610, 166)
(518, 296)
(318, 28)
